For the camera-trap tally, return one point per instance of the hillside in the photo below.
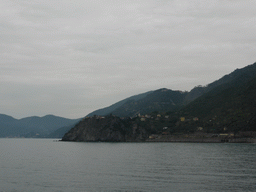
(32, 126)
(236, 78)
(160, 100)
(164, 100)
(106, 129)
(227, 105)
(225, 114)
(110, 109)
(60, 132)
(230, 105)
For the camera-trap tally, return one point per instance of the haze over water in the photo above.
(45, 165)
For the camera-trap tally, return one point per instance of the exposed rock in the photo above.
(107, 129)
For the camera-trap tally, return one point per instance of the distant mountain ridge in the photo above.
(32, 126)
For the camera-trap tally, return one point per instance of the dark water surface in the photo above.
(46, 165)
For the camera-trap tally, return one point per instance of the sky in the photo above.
(69, 58)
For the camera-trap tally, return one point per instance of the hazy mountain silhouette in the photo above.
(32, 126)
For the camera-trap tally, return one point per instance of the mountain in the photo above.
(224, 106)
(110, 109)
(6, 119)
(236, 78)
(60, 132)
(231, 106)
(32, 126)
(227, 104)
(159, 100)
(164, 100)
(225, 90)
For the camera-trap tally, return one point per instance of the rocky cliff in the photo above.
(106, 129)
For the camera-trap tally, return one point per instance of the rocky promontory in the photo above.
(106, 129)
(149, 129)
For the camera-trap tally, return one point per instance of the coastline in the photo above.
(169, 138)
(178, 140)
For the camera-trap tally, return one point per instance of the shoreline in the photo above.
(178, 140)
(201, 140)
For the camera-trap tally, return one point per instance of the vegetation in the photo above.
(224, 106)
(229, 106)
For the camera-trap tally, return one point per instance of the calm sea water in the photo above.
(46, 165)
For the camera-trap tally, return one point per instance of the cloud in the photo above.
(75, 57)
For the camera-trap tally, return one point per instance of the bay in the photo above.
(50, 165)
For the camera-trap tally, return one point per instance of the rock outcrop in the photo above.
(106, 129)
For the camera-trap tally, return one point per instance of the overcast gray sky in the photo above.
(69, 58)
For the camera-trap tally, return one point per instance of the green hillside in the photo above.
(160, 100)
(227, 105)
(231, 106)
(166, 100)
(110, 109)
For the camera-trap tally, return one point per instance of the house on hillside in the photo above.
(182, 119)
(142, 119)
(195, 119)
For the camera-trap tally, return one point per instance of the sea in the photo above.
(56, 166)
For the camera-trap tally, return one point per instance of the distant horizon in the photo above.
(39, 116)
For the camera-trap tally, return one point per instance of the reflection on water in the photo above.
(44, 165)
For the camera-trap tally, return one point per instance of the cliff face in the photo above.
(108, 129)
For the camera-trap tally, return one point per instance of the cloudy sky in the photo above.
(69, 58)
